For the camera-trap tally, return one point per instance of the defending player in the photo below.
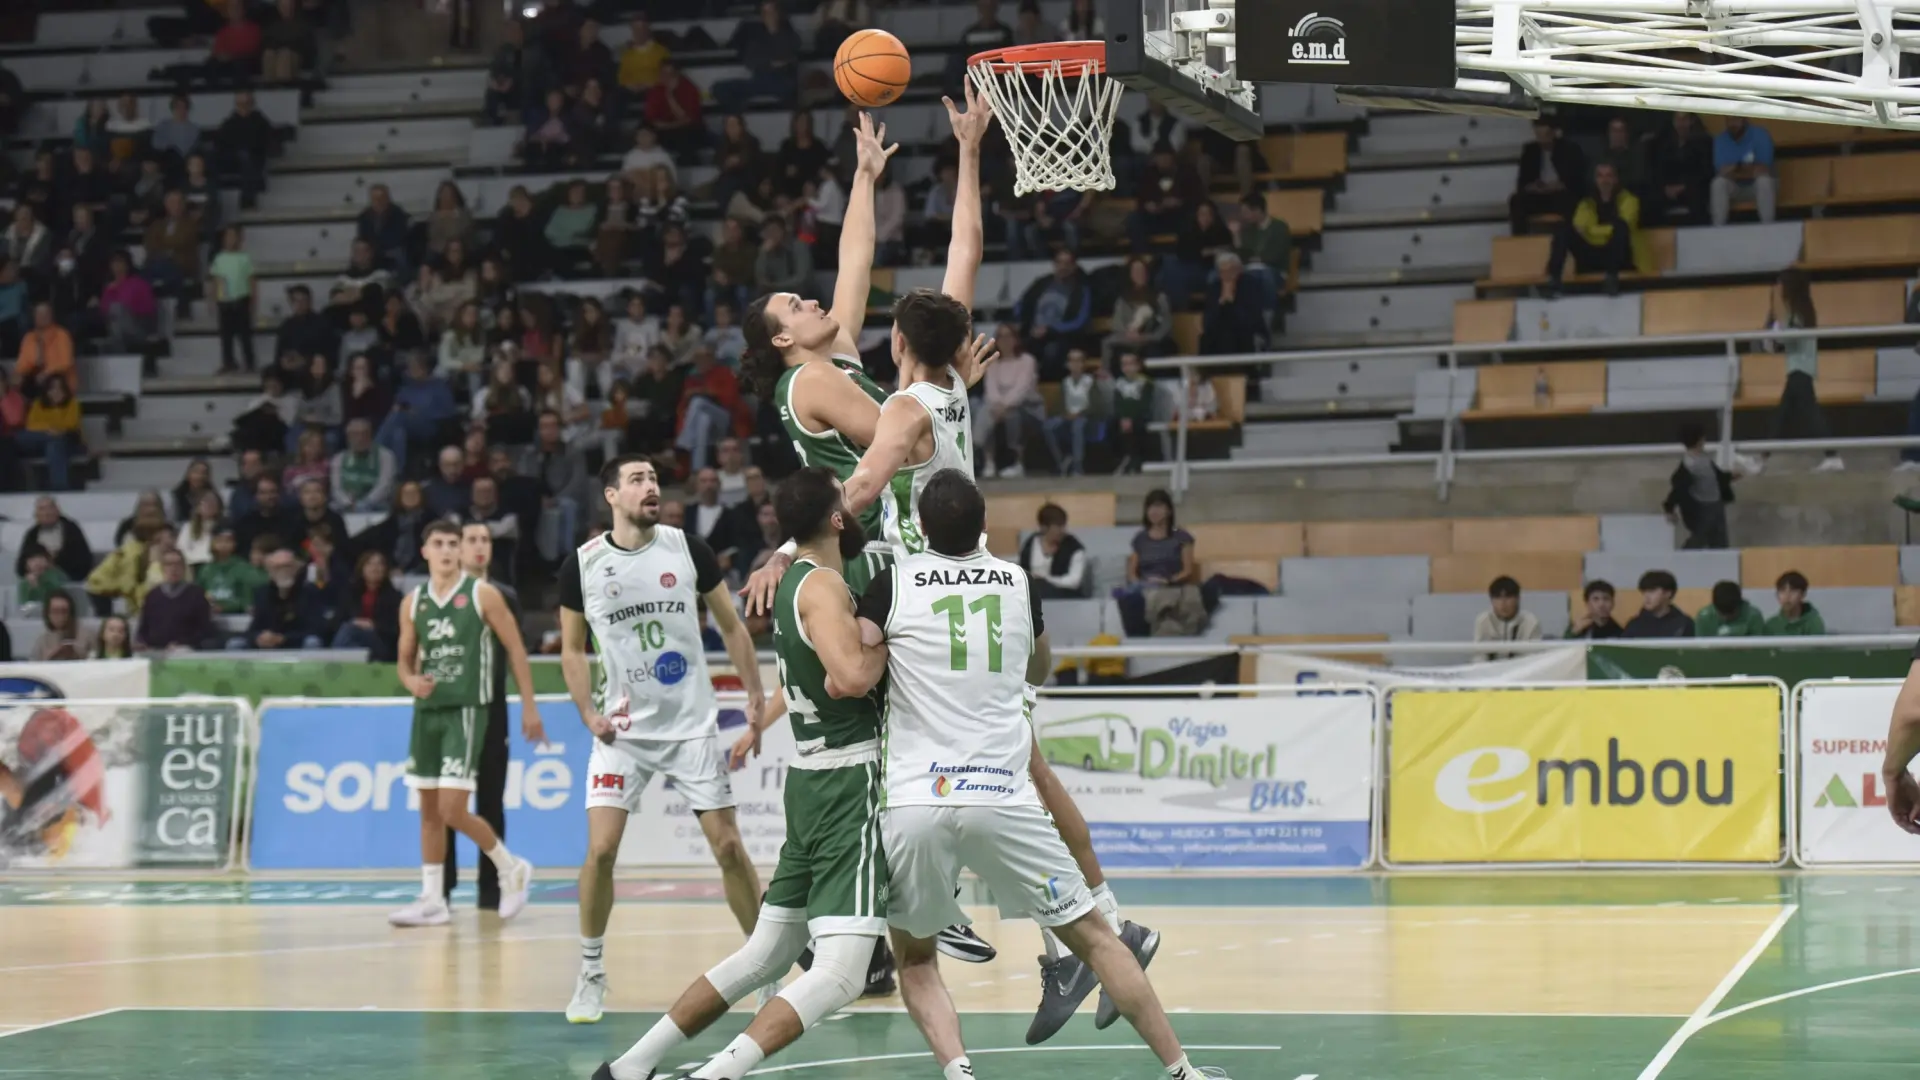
(447, 629)
(963, 638)
(636, 589)
(490, 778)
(831, 884)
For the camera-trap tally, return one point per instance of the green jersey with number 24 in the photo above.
(820, 721)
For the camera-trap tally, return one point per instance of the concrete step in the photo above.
(1418, 189)
(204, 415)
(380, 137)
(197, 356)
(1420, 308)
(346, 189)
(1404, 132)
(1311, 438)
(149, 473)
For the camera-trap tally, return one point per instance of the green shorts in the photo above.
(444, 750)
(832, 865)
(861, 570)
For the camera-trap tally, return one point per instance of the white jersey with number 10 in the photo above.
(952, 449)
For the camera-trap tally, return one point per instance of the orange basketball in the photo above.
(872, 68)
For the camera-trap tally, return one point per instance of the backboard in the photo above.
(1181, 53)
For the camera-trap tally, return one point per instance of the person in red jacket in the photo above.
(673, 110)
(710, 409)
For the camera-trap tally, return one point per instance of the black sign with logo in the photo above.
(1372, 42)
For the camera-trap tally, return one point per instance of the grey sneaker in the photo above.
(1144, 943)
(1064, 984)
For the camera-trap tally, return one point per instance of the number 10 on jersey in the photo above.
(956, 609)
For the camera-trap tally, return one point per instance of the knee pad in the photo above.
(775, 944)
(838, 975)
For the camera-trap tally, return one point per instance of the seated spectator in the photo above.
(549, 141)
(1729, 615)
(710, 408)
(422, 404)
(1075, 416)
(1265, 246)
(245, 140)
(506, 75)
(450, 220)
(504, 406)
(725, 339)
(449, 492)
(642, 59)
(890, 222)
(752, 495)
(1162, 595)
(203, 198)
(1133, 409)
(1142, 317)
(309, 462)
(399, 328)
(1603, 235)
(288, 612)
(41, 581)
(385, 226)
(1796, 617)
(655, 401)
(58, 537)
(552, 394)
(1743, 169)
(115, 641)
(398, 534)
(65, 637)
(1658, 618)
(594, 126)
(1503, 620)
(463, 348)
(646, 155)
(1552, 170)
(46, 354)
(320, 407)
(1699, 491)
(128, 134)
(518, 237)
(589, 59)
(673, 109)
(589, 347)
(485, 508)
(173, 252)
(758, 543)
(175, 615)
(53, 432)
(770, 49)
(229, 579)
(371, 609)
(1798, 415)
(13, 307)
(1168, 187)
(732, 470)
(195, 539)
(132, 314)
(1596, 623)
(1055, 311)
(986, 32)
(363, 396)
(782, 265)
(304, 330)
(287, 44)
(240, 498)
(1057, 215)
(1680, 173)
(266, 517)
(267, 424)
(195, 481)
(1054, 559)
(87, 183)
(1011, 398)
(28, 244)
(561, 474)
(327, 567)
(679, 336)
(571, 226)
(1234, 320)
(176, 137)
(122, 574)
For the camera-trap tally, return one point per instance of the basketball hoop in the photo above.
(1058, 107)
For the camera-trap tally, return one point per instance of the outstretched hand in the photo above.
(871, 144)
(971, 126)
(984, 352)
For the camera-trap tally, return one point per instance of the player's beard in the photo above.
(646, 517)
(853, 537)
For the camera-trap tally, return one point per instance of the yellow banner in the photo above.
(1623, 774)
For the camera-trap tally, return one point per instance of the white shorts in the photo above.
(1014, 849)
(619, 771)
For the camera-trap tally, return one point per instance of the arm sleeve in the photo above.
(877, 602)
(707, 574)
(569, 576)
(1033, 602)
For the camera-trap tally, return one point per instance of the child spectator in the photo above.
(1076, 404)
(1596, 623)
(1658, 618)
(1729, 615)
(1133, 395)
(42, 581)
(1503, 620)
(1796, 617)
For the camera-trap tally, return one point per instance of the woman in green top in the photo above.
(570, 226)
(232, 278)
(1799, 415)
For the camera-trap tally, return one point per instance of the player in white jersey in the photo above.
(636, 590)
(964, 637)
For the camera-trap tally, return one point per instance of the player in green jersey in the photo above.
(831, 883)
(447, 631)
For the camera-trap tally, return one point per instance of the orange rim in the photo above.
(1074, 58)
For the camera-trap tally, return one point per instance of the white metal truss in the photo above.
(1836, 63)
(1199, 44)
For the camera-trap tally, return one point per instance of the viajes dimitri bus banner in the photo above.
(1221, 784)
(1570, 775)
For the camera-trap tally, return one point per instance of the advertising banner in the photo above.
(1295, 669)
(78, 680)
(1790, 666)
(1571, 775)
(1843, 816)
(1221, 784)
(115, 785)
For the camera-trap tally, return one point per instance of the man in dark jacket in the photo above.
(1553, 174)
(384, 225)
(1055, 311)
(1658, 617)
(1700, 493)
(1680, 173)
(267, 518)
(305, 331)
(288, 612)
(58, 538)
(245, 139)
(176, 613)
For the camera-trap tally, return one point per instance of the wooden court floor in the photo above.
(1495, 977)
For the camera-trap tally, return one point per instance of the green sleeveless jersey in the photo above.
(455, 643)
(829, 449)
(820, 721)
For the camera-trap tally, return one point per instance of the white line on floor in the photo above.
(56, 1023)
(1701, 1016)
(1131, 1048)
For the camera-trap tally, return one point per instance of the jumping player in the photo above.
(636, 590)
(447, 629)
(831, 884)
(962, 636)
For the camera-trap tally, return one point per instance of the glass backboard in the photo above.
(1186, 64)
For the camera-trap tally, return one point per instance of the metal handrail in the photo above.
(1448, 455)
(1454, 648)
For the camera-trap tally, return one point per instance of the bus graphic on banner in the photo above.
(1102, 742)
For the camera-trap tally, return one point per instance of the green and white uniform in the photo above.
(832, 865)
(456, 650)
(952, 428)
(832, 450)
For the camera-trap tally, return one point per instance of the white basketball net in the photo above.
(1059, 122)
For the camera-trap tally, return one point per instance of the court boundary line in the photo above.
(884, 1010)
(1104, 1048)
(1703, 1015)
(1804, 991)
(30, 1028)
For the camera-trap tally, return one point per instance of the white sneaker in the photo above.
(1831, 464)
(426, 911)
(514, 890)
(589, 998)
(1013, 472)
(987, 471)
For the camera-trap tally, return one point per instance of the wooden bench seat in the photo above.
(1844, 375)
(1521, 261)
(1508, 390)
(1838, 566)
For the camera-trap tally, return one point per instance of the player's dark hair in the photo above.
(1727, 598)
(764, 361)
(439, 527)
(1792, 579)
(935, 325)
(804, 502)
(1658, 579)
(610, 472)
(953, 513)
(1503, 586)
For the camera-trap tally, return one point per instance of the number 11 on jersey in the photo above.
(956, 609)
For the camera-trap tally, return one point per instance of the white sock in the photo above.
(1109, 906)
(738, 1059)
(958, 1069)
(645, 1055)
(1054, 949)
(1181, 1070)
(501, 858)
(433, 881)
(591, 951)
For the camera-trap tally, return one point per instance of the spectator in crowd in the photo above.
(1699, 492)
(449, 221)
(398, 534)
(759, 539)
(1162, 561)
(41, 581)
(195, 540)
(672, 109)
(506, 75)
(266, 425)
(115, 641)
(287, 44)
(770, 49)
(266, 517)
(1055, 311)
(371, 609)
(132, 314)
(122, 574)
(642, 59)
(782, 265)
(13, 100)
(987, 32)
(232, 276)
(1011, 397)
(1658, 617)
(362, 475)
(754, 494)
(732, 468)
(1076, 415)
(1552, 171)
(550, 136)
(195, 482)
(173, 251)
(725, 338)
(148, 512)
(304, 330)
(1603, 235)
(399, 328)
(562, 477)
(890, 221)
(310, 460)
(229, 579)
(707, 517)
(28, 245)
(384, 225)
(245, 140)
(1503, 620)
(740, 158)
(572, 225)
(1142, 317)
(1729, 615)
(551, 393)
(1133, 408)
(176, 615)
(502, 524)
(363, 396)
(203, 198)
(1265, 246)
(449, 492)
(176, 137)
(1596, 623)
(1168, 187)
(1743, 169)
(1627, 156)
(593, 126)
(591, 61)
(1057, 214)
(65, 637)
(46, 354)
(710, 408)
(53, 431)
(657, 391)
(13, 306)
(800, 157)
(320, 404)
(1054, 559)
(288, 612)
(1796, 617)
(646, 155)
(518, 237)
(240, 498)
(1234, 320)
(422, 404)
(1798, 415)
(59, 538)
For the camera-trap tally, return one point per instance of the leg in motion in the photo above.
(927, 1001)
(737, 875)
(516, 873)
(838, 975)
(431, 908)
(1094, 942)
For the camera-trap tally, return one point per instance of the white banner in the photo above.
(1843, 807)
(1295, 669)
(665, 832)
(1225, 783)
(75, 680)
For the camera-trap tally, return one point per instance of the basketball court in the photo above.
(1682, 976)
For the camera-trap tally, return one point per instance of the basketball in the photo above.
(872, 68)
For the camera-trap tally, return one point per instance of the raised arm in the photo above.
(499, 617)
(964, 249)
(902, 421)
(856, 234)
(827, 613)
(834, 401)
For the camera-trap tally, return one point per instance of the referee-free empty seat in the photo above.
(1383, 577)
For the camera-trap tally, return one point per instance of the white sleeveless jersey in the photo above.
(642, 607)
(952, 449)
(959, 633)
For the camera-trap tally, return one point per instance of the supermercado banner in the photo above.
(331, 793)
(1674, 773)
(1296, 669)
(1843, 817)
(1218, 784)
(119, 784)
